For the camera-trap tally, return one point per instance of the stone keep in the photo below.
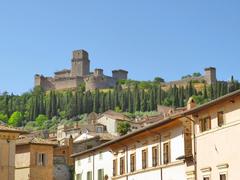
(80, 63)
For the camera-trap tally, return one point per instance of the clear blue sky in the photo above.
(149, 38)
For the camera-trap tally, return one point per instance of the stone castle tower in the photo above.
(80, 63)
(210, 75)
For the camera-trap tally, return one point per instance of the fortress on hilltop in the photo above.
(80, 73)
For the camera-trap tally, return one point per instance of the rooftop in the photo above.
(115, 115)
(10, 129)
(34, 140)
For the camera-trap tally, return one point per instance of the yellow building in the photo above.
(34, 159)
(7, 152)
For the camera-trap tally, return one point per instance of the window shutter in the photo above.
(37, 159)
(45, 159)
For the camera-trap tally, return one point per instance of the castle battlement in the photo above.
(79, 73)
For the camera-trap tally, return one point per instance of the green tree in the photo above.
(15, 119)
(41, 119)
(123, 128)
(3, 117)
(196, 74)
(159, 80)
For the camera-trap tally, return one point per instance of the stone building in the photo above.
(79, 73)
(8, 138)
(34, 159)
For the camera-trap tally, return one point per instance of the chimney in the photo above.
(191, 103)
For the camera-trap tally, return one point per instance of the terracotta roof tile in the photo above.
(10, 129)
(34, 140)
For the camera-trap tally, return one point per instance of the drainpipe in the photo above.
(126, 147)
(160, 155)
(93, 166)
(194, 145)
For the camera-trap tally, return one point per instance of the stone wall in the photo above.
(99, 82)
(67, 83)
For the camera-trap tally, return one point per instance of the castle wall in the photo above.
(46, 83)
(119, 74)
(67, 83)
(184, 82)
(63, 74)
(99, 82)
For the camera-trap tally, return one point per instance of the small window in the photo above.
(79, 162)
(122, 165)
(166, 153)
(220, 118)
(100, 156)
(114, 167)
(99, 129)
(133, 162)
(100, 174)
(79, 176)
(144, 159)
(41, 159)
(206, 178)
(89, 175)
(89, 159)
(155, 156)
(223, 177)
(205, 124)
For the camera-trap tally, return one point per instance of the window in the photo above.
(220, 118)
(41, 159)
(89, 159)
(133, 162)
(205, 124)
(144, 158)
(122, 165)
(154, 156)
(100, 174)
(114, 167)
(89, 175)
(100, 156)
(166, 153)
(99, 129)
(79, 162)
(223, 177)
(206, 178)
(79, 177)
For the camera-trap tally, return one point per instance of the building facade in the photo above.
(8, 138)
(34, 159)
(154, 152)
(217, 130)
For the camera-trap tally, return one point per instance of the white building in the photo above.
(154, 152)
(111, 119)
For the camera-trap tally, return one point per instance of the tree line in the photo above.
(69, 104)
